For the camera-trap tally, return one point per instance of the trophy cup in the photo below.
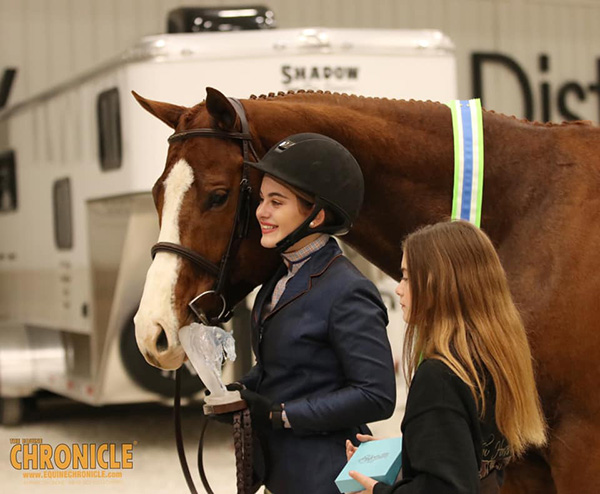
(206, 348)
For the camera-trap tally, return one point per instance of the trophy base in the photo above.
(231, 401)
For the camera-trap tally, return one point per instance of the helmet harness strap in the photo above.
(302, 230)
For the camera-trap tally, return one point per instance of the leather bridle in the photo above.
(241, 419)
(240, 226)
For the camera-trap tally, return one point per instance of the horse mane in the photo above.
(353, 100)
(382, 104)
(358, 101)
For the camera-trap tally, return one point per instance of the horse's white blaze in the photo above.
(157, 305)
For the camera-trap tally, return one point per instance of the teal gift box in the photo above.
(380, 460)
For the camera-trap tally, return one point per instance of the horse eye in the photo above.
(216, 199)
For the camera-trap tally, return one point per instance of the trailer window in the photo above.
(109, 129)
(8, 182)
(63, 222)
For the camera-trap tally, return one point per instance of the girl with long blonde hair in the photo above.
(472, 404)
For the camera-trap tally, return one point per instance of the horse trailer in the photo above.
(78, 161)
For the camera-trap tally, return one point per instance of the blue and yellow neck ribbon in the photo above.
(467, 124)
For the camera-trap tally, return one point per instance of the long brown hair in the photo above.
(462, 313)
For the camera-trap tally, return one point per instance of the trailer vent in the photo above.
(8, 182)
(197, 20)
(109, 129)
(63, 222)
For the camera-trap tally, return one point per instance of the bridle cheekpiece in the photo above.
(240, 225)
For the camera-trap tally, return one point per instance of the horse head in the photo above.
(196, 198)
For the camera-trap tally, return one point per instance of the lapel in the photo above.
(301, 282)
(265, 293)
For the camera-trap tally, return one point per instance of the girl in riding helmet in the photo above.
(324, 365)
(472, 404)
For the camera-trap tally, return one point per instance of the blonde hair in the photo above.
(462, 313)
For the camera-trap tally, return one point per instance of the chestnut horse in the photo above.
(541, 208)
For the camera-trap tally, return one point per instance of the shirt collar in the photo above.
(301, 255)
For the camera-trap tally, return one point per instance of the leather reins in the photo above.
(242, 441)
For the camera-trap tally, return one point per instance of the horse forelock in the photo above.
(190, 118)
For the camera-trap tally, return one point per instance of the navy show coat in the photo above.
(324, 353)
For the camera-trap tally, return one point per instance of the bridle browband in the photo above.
(240, 225)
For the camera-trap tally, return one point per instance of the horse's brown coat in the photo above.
(541, 207)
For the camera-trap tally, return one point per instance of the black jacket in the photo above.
(323, 351)
(445, 445)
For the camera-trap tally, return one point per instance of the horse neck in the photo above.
(405, 149)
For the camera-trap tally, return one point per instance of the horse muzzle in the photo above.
(158, 344)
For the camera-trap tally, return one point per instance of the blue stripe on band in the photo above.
(465, 210)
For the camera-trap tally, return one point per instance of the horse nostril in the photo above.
(162, 343)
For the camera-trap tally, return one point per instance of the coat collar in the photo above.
(301, 282)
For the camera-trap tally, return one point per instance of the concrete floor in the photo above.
(156, 466)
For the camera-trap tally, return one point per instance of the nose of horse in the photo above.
(156, 346)
(162, 352)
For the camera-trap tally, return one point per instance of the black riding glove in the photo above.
(236, 386)
(261, 410)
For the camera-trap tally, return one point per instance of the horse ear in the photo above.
(220, 108)
(166, 112)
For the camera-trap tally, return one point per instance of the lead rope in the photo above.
(242, 441)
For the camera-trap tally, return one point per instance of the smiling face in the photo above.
(403, 291)
(280, 212)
